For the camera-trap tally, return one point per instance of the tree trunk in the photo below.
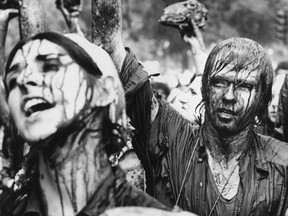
(107, 27)
(32, 18)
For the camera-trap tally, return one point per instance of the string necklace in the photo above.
(186, 172)
(188, 168)
(230, 175)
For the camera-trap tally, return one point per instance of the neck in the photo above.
(224, 146)
(78, 167)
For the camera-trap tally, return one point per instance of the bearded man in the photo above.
(222, 167)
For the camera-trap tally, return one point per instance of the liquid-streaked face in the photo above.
(46, 89)
(232, 96)
(273, 106)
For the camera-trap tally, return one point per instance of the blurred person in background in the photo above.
(280, 73)
(162, 89)
(186, 97)
(270, 127)
(282, 115)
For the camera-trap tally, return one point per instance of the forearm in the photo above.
(199, 57)
(3, 33)
(5, 16)
(198, 49)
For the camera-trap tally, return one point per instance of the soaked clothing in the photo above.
(175, 159)
(138, 107)
(114, 192)
(269, 129)
(44, 191)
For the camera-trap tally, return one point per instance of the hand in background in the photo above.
(194, 37)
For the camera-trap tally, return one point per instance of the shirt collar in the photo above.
(257, 154)
(260, 162)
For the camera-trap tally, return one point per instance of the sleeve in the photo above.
(153, 139)
(128, 195)
(138, 94)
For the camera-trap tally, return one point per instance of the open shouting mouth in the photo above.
(226, 114)
(35, 105)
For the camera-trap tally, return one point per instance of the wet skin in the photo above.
(273, 106)
(46, 89)
(232, 96)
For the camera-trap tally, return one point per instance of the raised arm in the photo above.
(71, 11)
(189, 17)
(5, 16)
(198, 48)
(141, 103)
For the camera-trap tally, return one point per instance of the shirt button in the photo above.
(201, 184)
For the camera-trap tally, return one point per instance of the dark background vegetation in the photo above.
(255, 19)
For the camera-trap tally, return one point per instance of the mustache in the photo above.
(229, 110)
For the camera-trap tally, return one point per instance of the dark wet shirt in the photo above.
(166, 150)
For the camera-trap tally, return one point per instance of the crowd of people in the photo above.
(71, 111)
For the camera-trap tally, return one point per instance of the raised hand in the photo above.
(195, 40)
(71, 10)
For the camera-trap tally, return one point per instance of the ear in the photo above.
(105, 92)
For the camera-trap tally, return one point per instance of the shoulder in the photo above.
(132, 74)
(173, 120)
(275, 151)
(172, 125)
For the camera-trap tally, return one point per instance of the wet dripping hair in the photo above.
(242, 53)
(115, 134)
(76, 52)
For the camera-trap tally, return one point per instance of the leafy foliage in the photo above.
(254, 19)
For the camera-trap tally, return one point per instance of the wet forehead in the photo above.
(229, 73)
(33, 49)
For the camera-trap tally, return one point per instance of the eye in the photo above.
(245, 86)
(193, 92)
(11, 80)
(51, 65)
(11, 83)
(220, 83)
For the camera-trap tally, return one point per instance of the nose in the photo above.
(229, 94)
(275, 107)
(29, 77)
(274, 102)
